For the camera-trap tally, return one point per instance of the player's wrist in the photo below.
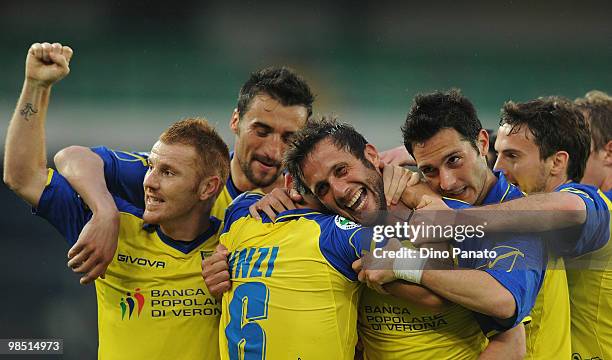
(35, 84)
(409, 269)
(106, 211)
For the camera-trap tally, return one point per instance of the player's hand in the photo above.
(415, 190)
(395, 180)
(362, 276)
(95, 248)
(275, 202)
(397, 156)
(47, 63)
(215, 271)
(429, 202)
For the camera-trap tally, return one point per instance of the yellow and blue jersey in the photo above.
(396, 329)
(391, 328)
(589, 263)
(519, 265)
(152, 303)
(294, 294)
(124, 173)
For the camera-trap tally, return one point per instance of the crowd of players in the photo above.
(289, 267)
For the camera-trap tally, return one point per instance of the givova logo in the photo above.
(130, 302)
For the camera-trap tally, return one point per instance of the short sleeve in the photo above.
(62, 207)
(124, 173)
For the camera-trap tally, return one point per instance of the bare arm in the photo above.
(25, 158)
(534, 213)
(417, 295)
(510, 344)
(473, 289)
(84, 170)
(97, 242)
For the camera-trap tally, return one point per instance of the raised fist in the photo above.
(47, 63)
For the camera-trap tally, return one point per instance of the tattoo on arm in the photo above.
(28, 110)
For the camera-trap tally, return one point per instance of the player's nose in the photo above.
(151, 180)
(448, 180)
(274, 148)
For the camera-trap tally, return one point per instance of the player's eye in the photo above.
(427, 171)
(340, 171)
(288, 137)
(262, 133)
(454, 160)
(321, 190)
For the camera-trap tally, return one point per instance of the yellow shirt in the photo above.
(294, 294)
(152, 303)
(590, 285)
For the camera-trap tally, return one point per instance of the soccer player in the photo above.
(151, 303)
(345, 179)
(452, 149)
(543, 146)
(294, 293)
(596, 107)
(272, 104)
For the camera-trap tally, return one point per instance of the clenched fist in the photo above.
(47, 63)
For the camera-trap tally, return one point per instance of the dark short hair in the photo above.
(433, 112)
(342, 135)
(557, 125)
(597, 109)
(281, 83)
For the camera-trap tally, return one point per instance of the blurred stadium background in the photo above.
(140, 65)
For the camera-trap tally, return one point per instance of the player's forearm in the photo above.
(84, 170)
(473, 289)
(535, 213)
(417, 295)
(25, 159)
(510, 344)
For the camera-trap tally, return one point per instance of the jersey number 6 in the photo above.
(244, 335)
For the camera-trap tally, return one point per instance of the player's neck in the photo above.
(187, 228)
(241, 182)
(490, 181)
(554, 182)
(277, 184)
(606, 184)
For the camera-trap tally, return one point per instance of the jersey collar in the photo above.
(186, 246)
(291, 215)
(500, 191)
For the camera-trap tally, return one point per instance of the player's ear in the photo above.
(608, 153)
(235, 122)
(482, 142)
(209, 187)
(560, 161)
(371, 154)
(288, 181)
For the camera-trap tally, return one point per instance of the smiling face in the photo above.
(262, 135)
(519, 159)
(172, 184)
(452, 167)
(343, 183)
